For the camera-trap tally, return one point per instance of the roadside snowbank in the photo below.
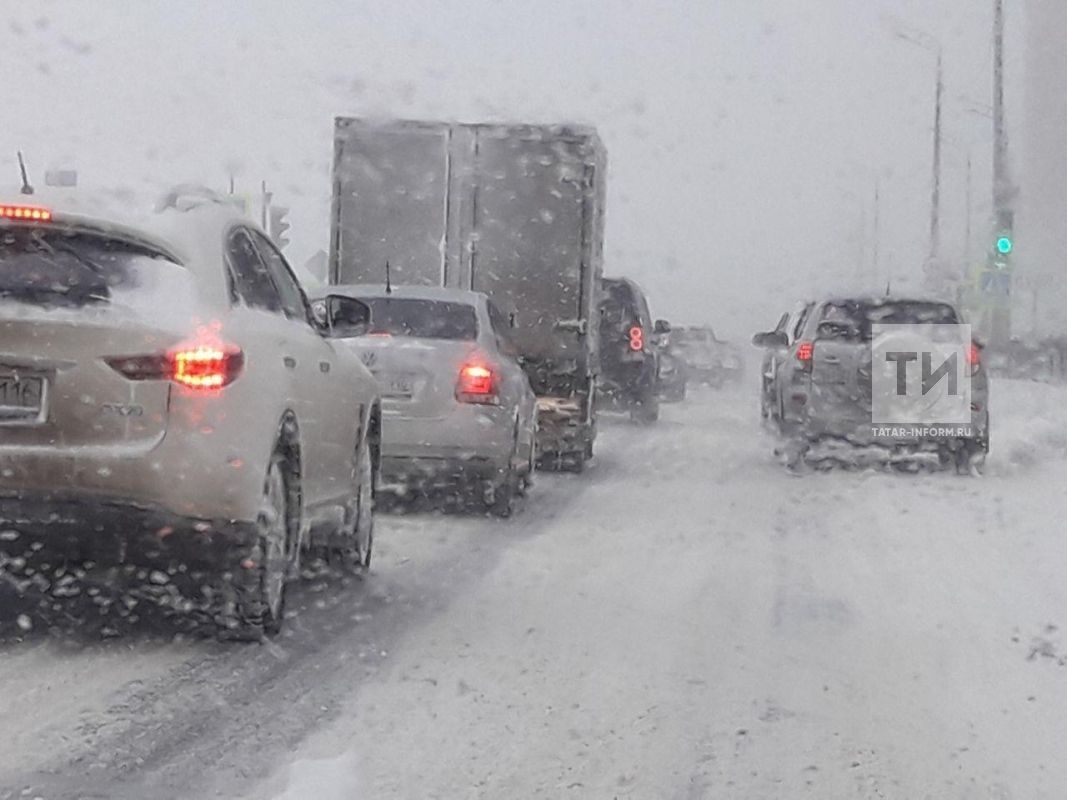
(1028, 425)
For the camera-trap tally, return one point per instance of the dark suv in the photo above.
(629, 360)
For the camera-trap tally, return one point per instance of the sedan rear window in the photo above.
(58, 268)
(422, 319)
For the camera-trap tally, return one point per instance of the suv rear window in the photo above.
(422, 319)
(853, 319)
(53, 267)
(619, 306)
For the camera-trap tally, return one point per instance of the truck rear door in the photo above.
(390, 196)
(528, 242)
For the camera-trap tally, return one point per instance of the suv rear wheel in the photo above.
(259, 585)
(646, 409)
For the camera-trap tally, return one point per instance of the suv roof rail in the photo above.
(187, 196)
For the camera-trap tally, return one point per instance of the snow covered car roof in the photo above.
(99, 211)
(189, 224)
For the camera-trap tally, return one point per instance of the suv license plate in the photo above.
(22, 397)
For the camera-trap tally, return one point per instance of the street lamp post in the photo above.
(930, 43)
(935, 198)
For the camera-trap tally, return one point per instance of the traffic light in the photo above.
(1004, 240)
(279, 225)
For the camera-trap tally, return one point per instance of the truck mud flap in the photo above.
(564, 436)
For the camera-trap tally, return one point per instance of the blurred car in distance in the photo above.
(672, 380)
(629, 360)
(711, 361)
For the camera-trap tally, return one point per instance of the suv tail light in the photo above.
(27, 213)
(205, 367)
(637, 338)
(197, 367)
(477, 384)
(974, 358)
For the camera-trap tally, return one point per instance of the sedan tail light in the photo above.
(477, 384)
(196, 367)
(805, 351)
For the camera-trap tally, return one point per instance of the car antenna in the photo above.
(26, 188)
(388, 281)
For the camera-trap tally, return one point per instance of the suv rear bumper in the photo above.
(863, 434)
(82, 526)
(626, 383)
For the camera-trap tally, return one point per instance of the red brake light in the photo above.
(805, 350)
(974, 355)
(637, 338)
(477, 384)
(203, 367)
(29, 213)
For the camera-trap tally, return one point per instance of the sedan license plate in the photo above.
(397, 385)
(22, 397)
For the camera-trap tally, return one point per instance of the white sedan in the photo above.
(458, 411)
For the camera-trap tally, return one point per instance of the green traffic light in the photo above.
(1005, 245)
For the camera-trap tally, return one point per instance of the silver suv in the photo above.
(819, 382)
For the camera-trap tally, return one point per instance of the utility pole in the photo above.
(933, 273)
(1001, 179)
(877, 233)
(967, 241)
(935, 198)
(1003, 193)
(264, 204)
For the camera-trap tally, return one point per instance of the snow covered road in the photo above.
(685, 621)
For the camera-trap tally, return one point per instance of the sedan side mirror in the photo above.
(341, 317)
(771, 339)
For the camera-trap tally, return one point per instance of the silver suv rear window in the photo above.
(852, 319)
(57, 268)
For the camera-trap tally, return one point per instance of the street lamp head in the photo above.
(919, 38)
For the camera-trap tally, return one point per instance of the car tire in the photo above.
(527, 478)
(505, 494)
(506, 490)
(356, 546)
(259, 587)
(970, 460)
(646, 410)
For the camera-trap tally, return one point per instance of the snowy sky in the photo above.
(744, 136)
